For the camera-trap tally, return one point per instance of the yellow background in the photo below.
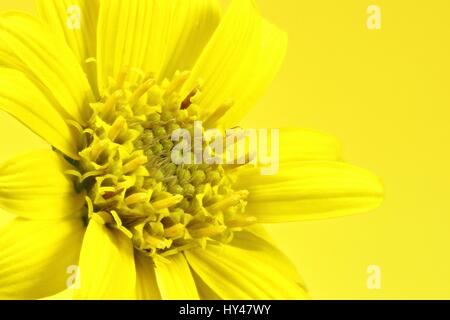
(386, 94)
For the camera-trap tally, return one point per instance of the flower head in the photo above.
(107, 91)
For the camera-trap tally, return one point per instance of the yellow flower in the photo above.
(105, 91)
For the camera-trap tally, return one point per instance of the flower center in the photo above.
(131, 182)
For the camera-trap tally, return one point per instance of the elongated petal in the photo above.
(36, 256)
(204, 291)
(311, 190)
(23, 100)
(146, 285)
(152, 35)
(257, 238)
(5, 218)
(126, 30)
(107, 268)
(304, 145)
(34, 186)
(175, 280)
(192, 26)
(258, 241)
(293, 145)
(30, 47)
(75, 22)
(250, 268)
(238, 63)
(66, 294)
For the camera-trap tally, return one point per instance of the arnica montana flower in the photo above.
(106, 92)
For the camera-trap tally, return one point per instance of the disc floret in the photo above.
(130, 181)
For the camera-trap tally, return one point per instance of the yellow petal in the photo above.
(257, 238)
(67, 294)
(192, 26)
(175, 280)
(107, 268)
(75, 22)
(238, 63)
(304, 144)
(35, 111)
(204, 291)
(131, 34)
(146, 286)
(35, 257)
(307, 190)
(28, 46)
(148, 36)
(125, 30)
(34, 186)
(5, 218)
(250, 268)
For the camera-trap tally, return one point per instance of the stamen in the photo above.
(228, 201)
(177, 83)
(136, 198)
(156, 242)
(134, 164)
(97, 149)
(122, 77)
(111, 103)
(167, 203)
(242, 222)
(187, 101)
(218, 113)
(141, 90)
(174, 231)
(118, 126)
(208, 231)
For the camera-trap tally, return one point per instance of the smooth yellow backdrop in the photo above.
(386, 94)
